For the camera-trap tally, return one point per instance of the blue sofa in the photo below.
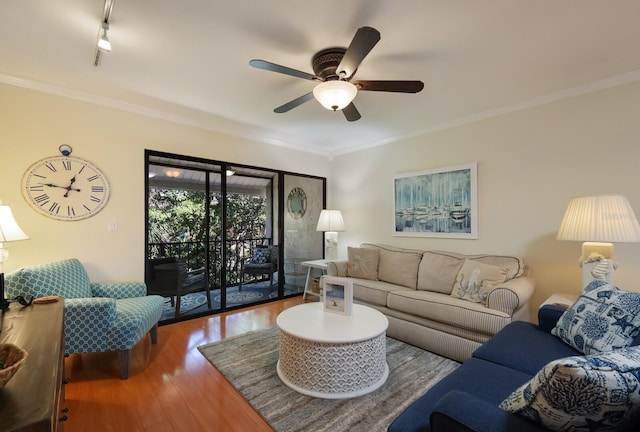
(468, 399)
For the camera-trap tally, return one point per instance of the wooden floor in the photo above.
(172, 387)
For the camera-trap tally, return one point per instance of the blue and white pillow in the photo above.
(602, 319)
(583, 393)
(261, 256)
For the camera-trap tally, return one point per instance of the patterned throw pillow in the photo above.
(260, 256)
(362, 263)
(475, 281)
(583, 393)
(602, 319)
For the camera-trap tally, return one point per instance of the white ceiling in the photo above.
(188, 61)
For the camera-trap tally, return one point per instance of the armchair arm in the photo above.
(458, 411)
(119, 290)
(548, 316)
(510, 295)
(86, 322)
(337, 268)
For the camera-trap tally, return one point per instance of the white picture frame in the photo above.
(441, 202)
(337, 295)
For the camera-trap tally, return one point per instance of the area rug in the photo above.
(240, 297)
(188, 303)
(249, 361)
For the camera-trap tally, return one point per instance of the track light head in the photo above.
(104, 44)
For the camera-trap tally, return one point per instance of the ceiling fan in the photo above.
(334, 69)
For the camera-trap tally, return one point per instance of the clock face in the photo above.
(297, 203)
(65, 188)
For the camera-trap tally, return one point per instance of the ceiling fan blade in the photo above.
(263, 64)
(363, 42)
(294, 103)
(390, 86)
(351, 112)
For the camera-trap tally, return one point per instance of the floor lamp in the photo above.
(331, 223)
(599, 221)
(9, 232)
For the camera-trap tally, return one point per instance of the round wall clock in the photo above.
(297, 203)
(65, 187)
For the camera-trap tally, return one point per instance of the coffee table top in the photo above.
(309, 321)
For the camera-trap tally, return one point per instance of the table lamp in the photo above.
(331, 223)
(599, 221)
(9, 232)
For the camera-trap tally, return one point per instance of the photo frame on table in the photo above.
(441, 202)
(337, 295)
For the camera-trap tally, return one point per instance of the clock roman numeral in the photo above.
(38, 175)
(93, 178)
(55, 207)
(66, 164)
(38, 188)
(86, 208)
(97, 188)
(94, 199)
(70, 211)
(51, 167)
(41, 199)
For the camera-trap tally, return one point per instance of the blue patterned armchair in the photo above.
(98, 317)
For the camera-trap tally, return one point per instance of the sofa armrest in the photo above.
(458, 411)
(548, 316)
(337, 268)
(119, 290)
(86, 323)
(511, 295)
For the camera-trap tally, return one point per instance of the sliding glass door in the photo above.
(223, 236)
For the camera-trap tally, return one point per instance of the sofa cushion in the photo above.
(374, 292)
(363, 263)
(399, 266)
(583, 393)
(449, 310)
(66, 278)
(601, 319)
(514, 265)
(522, 346)
(475, 280)
(438, 270)
(476, 377)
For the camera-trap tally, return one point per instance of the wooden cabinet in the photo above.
(34, 398)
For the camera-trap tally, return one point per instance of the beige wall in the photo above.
(34, 124)
(530, 163)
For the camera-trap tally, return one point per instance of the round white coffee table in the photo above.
(332, 356)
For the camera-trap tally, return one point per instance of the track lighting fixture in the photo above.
(104, 44)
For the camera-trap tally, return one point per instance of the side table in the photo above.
(314, 264)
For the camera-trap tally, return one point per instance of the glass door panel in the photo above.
(251, 252)
(304, 199)
(178, 259)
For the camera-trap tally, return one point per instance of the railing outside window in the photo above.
(194, 253)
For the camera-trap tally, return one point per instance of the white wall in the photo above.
(34, 124)
(530, 163)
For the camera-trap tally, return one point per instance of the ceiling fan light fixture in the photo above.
(335, 95)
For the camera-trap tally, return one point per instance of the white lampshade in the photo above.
(9, 229)
(330, 221)
(604, 218)
(335, 95)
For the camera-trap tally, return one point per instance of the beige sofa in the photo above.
(444, 302)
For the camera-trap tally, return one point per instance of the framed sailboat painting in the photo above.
(440, 202)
